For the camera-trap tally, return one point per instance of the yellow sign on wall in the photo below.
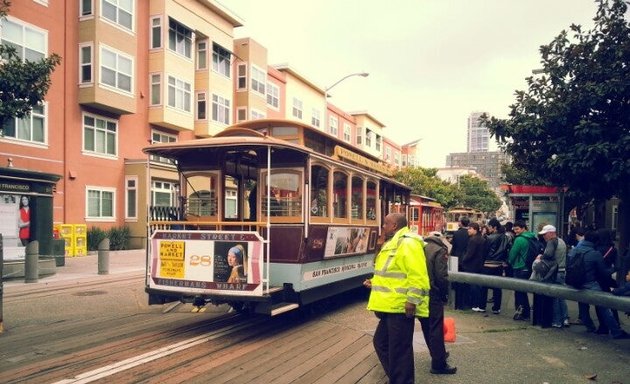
(172, 259)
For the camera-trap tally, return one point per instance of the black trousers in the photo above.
(543, 311)
(393, 342)
(497, 293)
(433, 331)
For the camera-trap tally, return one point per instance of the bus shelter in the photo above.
(537, 205)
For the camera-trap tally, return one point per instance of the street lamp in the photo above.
(362, 74)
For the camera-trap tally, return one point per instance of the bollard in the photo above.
(103, 257)
(31, 262)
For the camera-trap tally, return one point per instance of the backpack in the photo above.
(534, 248)
(575, 274)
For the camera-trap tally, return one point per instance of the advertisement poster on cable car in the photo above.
(346, 241)
(201, 261)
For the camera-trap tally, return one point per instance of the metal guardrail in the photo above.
(604, 299)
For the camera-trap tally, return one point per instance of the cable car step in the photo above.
(279, 308)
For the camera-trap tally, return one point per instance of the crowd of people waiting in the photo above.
(502, 250)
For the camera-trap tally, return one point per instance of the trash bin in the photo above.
(59, 252)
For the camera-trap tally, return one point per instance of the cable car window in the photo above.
(340, 197)
(201, 195)
(357, 197)
(319, 191)
(286, 196)
(371, 200)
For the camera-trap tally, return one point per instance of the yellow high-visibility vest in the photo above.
(400, 275)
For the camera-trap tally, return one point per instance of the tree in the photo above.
(23, 83)
(475, 193)
(424, 181)
(571, 128)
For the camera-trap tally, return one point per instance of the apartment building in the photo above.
(136, 72)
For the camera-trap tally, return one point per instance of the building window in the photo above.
(333, 125)
(162, 193)
(116, 70)
(201, 106)
(29, 43)
(220, 109)
(241, 77)
(119, 12)
(316, 118)
(273, 95)
(86, 8)
(388, 153)
(161, 137)
(202, 54)
(258, 80)
(131, 197)
(179, 38)
(241, 114)
(179, 94)
(379, 140)
(346, 132)
(359, 135)
(156, 89)
(100, 203)
(156, 32)
(297, 108)
(368, 138)
(86, 58)
(221, 60)
(29, 128)
(100, 135)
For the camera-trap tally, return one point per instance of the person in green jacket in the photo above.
(400, 292)
(516, 259)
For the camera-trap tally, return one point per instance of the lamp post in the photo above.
(362, 74)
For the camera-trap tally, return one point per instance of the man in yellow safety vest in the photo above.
(400, 293)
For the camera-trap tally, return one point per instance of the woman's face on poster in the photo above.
(232, 260)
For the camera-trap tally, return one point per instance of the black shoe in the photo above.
(447, 370)
(624, 335)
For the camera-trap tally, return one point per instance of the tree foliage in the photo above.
(571, 127)
(470, 191)
(23, 83)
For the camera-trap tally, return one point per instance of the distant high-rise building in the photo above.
(478, 135)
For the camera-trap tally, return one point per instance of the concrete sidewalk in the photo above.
(80, 268)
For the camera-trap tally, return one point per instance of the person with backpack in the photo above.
(594, 270)
(517, 259)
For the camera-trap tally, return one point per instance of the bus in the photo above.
(270, 215)
(454, 214)
(425, 215)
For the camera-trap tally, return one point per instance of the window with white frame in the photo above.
(86, 60)
(368, 138)
(156, 32)
(156, 89)
(297, 108)
(100, 135)
(202, 107)
(273, 95)
(388, 153)
(29, 43)
(241, 114)
(359, 135)
(316, 118)
(221, 60)
(202, 54)
(379, 141)
(179, 94)
(258, 80)
(161, 137)
(241, 73)
(162, 193)
(131, 197)
(31, 128)
(119, 12)
(179, 38)
(100, 203)
(257, 114)
(116, 69)
(397, 158)
(220, 109)
(333, 128)
(86, 7)
(346, 132)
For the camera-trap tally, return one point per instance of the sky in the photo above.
(430, 62)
